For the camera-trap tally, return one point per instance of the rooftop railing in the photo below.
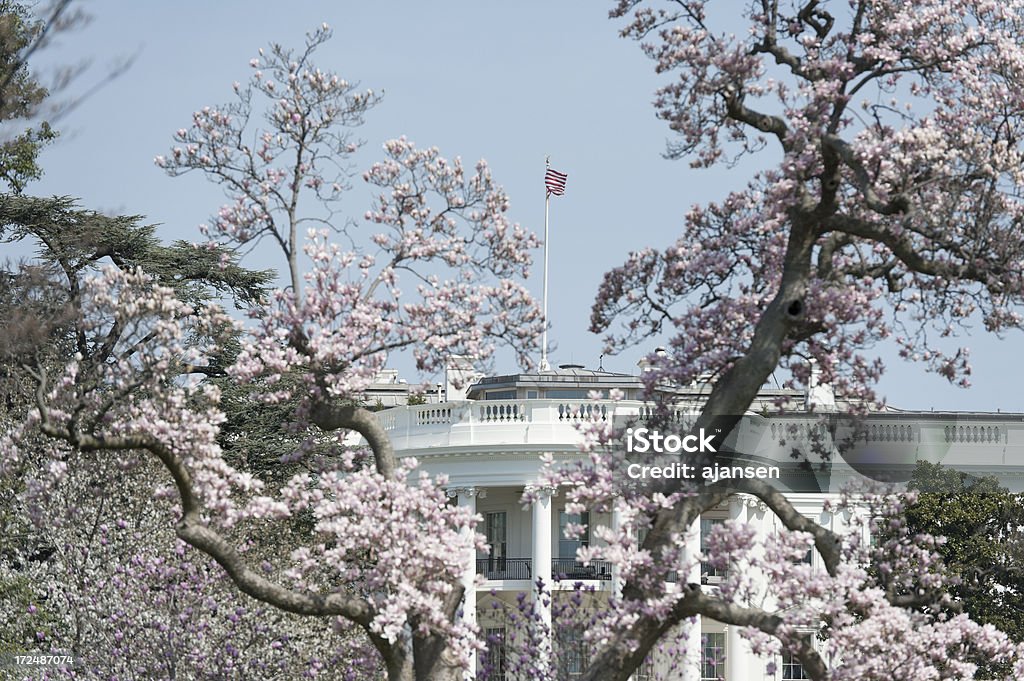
(553, 425)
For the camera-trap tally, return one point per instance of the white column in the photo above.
(737, 650)
(540, 559)
(616, 570)
(467, 499)
(762, 521)
(692, 646)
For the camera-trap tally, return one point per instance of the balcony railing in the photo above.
(561, 569)
(572, 570)
(504, 568)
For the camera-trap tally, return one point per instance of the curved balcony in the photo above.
(529, 424)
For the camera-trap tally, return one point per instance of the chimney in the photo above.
(459, 374)
(820, 396)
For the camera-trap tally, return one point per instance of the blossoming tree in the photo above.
(893, 211)
(367, 540)
(879, 220)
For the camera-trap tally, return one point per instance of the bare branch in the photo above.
(826, 542)
(697, 602)
(767, 123)
(897, 204)
(332, 416)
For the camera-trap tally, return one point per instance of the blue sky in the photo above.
(509, 82)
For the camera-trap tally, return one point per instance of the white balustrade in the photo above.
(430, 414)
(497, 412)
(542, 425)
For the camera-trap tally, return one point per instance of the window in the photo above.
(494, 663)
(573, 653)
(712, 657)
(641, 535)
(567, 393)
(567, 546)
(496, 529)
(791, 667)
(565, 566)
(876, 532)
(500, 395)
(707, 570)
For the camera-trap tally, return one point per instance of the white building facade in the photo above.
(489, 446)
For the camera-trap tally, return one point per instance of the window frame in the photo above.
(573, 651)
(494, 639)
(708, 573)
(792, 668)
(563, 542)
(717, 661)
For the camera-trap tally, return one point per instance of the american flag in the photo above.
(555, 182)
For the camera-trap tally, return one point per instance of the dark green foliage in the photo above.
(76, 241)
(254, 436)
(18, 156)
(983, 524)
(37, 299)
(259, 436)
(21, 94)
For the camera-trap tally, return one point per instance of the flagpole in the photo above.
(544, 366)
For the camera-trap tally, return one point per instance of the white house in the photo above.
(489, 445)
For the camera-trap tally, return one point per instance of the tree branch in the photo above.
(332, 416)
(897, 204)
(696, 602)
(825, 541)
(910, 255)
(193, 531)
(766, 123)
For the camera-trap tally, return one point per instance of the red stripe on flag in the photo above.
(555, 182)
